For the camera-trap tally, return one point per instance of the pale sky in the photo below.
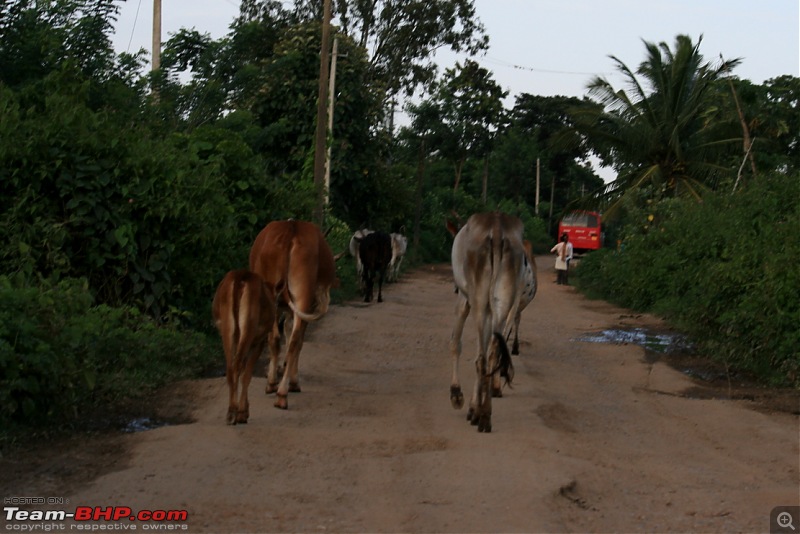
(553, 47)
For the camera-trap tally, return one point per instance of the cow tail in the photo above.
(504, 365)
(241, 317)
(323, 300)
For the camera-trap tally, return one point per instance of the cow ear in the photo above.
(452, 228)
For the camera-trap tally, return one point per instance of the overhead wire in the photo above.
(135, 20)
(510, 65)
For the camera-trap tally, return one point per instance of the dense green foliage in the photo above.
(63, 359)
(725, 271)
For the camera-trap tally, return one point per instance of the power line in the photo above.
(510, 65)
(130, 41)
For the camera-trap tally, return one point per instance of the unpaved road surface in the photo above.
(593, 437)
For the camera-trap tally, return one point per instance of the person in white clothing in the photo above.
(563, 251)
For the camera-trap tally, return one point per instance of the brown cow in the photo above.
(293, 255)
(489, 270)
(244, 311)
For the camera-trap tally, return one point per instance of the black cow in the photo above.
(375, 251)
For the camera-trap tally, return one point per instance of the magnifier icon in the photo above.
(785, 520)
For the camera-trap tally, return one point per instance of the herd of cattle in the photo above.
(292, 270)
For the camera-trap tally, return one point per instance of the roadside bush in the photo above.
(63, 358)
(725, 271)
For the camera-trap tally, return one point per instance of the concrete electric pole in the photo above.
(322, 111)
(156, 35)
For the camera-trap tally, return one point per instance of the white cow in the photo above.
(354, 243)
(490, 269)
(528, 292)
(399, 246)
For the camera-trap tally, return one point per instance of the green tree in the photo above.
(541, 127)
(663, 134)
(774, 112)
(470, 108)
(402, 36)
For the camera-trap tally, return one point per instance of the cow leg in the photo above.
(480, 410)
(480, 406)
(515, 346)
(274, 353)
(381, 274)
(243, 412)
(368, 285)
(485, 417)
(232, 377)
(290, 381)
(462, 311)
(497, 387)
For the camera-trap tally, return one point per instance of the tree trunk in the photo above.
(485, 179)
(459, 168)
(418, 201)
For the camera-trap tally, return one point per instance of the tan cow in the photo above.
(489, 270)
(293, 255)
(244, 311)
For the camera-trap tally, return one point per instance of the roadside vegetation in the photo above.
(125, 194)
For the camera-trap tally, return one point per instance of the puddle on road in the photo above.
(141, 424)
(657, 342)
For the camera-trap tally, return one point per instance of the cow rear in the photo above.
(375, 251)
(244, 311)
(294, 256)
(488, 259)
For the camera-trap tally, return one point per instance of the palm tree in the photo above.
(663, 134)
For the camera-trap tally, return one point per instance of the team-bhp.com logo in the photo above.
(94, 518)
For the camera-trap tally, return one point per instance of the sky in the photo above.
(555, 47)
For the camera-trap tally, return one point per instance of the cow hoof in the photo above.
(497, 392)
(294, 387)
(485, 424)
(471, 417)
(282, 402)
(380, 299)
(271, 388)
(231, 417)
(456, 398)
(241, 418)
(515, 351)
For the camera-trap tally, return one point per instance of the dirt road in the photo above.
(593, 437)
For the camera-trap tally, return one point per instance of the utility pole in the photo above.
(156, 35)
(331, 99)
(552, 199)
(322, 123)
(538, 177)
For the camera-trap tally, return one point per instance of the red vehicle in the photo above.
(584, 229)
